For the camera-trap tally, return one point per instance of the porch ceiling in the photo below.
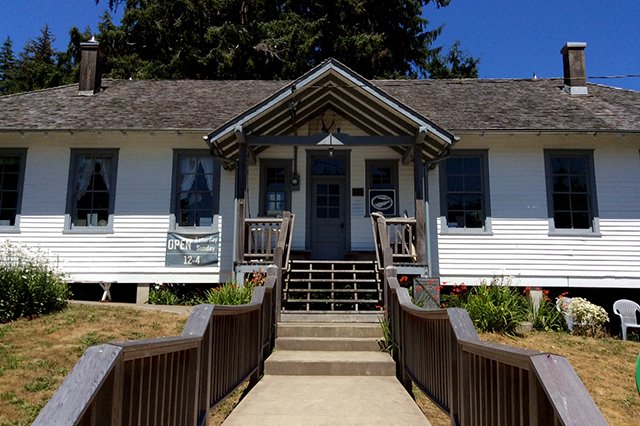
(330, 86)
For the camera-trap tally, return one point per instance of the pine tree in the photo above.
(7, 67)
(37, 67)
(242, 39)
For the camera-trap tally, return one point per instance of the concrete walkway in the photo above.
(327, 400)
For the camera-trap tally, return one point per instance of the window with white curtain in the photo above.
(196, 188)
(91, 194)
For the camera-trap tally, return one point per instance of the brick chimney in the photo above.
(90, 68)
(575, 73)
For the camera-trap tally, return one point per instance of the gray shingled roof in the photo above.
(206, 105)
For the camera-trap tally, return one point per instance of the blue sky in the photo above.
(512, 38)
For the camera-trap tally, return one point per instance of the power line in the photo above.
(614, 76)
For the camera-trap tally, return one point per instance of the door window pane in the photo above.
(329, 167)
(328, 201)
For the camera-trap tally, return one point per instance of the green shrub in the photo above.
(229, 294)
(29, 284)
(386, 342)
(164, 294)
(496, 307)
(546, 317)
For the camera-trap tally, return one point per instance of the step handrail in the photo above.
(475, 381)
(171, 380)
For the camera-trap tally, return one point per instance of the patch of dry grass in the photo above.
(36, 355)
(222, 411)
(606, 366)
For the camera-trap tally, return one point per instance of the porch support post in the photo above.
(241, 188)
(418, 187)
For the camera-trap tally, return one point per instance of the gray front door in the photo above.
(328, 216)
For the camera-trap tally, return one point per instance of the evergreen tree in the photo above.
(456, 64)
(243, 39)
(7, 67)
(37, 67)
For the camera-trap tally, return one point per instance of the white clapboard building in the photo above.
(142, 182)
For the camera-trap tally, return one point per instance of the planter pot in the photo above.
(524, 327)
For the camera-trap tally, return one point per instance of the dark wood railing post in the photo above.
(83, 394)
(418, 173)
(199, 325)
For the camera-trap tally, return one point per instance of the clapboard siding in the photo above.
(520, 243)
(135, 249)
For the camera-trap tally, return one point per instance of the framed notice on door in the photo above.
(382, 201)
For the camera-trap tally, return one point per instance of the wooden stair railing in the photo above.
(171, 380)
(262, 238)
(477, 382)
(396, 241)
(473, 381)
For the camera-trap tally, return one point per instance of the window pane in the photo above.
(9, 188)
(472, 202)
(472, 166)
(560, 165)
(473, 219)
(580, 202)
(454, 202)
(455, 183)
(465, 189)
(579, 183)
(455, 219)
(581, 220)
(562, 220)
(472, 183)
(197, 183)
(94, 176)
(577, 165)
(381, 178)
(571, 193)
(560, 183)
(562, 202)
(329, 167)
(8, 200)
(454, 166)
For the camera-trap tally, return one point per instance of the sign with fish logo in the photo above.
(382, 201)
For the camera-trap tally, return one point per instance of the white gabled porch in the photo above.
(331, 148)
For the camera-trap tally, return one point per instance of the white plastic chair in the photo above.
(626, 310)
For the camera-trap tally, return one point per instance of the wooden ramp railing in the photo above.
(476, 382)
(172, 380)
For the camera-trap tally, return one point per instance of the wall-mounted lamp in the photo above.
(295, 181)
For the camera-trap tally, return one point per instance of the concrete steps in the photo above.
(329, 363)
(352, 344)
(329, 349)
